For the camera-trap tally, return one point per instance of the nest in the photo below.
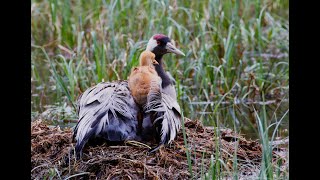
(52, 155)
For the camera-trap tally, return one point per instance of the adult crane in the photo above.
(108, 110)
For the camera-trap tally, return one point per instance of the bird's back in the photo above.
(108, 111)
(143, 77)
(140, 82)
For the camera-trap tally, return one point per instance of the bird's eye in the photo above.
(158, 42)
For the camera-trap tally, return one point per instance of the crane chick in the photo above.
(144, 78)
(144, 81)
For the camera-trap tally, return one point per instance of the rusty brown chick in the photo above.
(143, 77)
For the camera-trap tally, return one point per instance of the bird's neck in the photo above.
(161, 72)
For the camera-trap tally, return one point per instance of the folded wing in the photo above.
(168, 116)
(106, 110)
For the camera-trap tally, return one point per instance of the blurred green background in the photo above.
(235, 73)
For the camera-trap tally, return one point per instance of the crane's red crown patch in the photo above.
(159, 36)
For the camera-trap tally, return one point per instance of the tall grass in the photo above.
(236, 57)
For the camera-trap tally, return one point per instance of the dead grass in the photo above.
(53, 155)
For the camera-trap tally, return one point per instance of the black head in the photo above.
(160, 44)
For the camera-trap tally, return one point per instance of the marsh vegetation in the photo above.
(235, 73)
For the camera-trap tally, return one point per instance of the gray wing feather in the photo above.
(173, 81)
(169, 115)
(106, 110)
(171, 119)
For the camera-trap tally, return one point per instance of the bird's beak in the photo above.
(172, 49)
(155, 62)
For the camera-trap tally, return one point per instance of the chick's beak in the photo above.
(172, 49)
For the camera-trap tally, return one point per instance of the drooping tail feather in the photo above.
(167, 121)
(106, 110)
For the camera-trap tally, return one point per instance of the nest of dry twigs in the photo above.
(52, 154)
